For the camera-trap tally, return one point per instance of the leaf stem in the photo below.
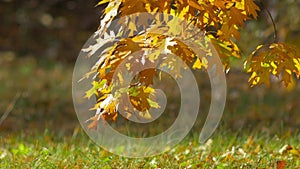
(272, 20)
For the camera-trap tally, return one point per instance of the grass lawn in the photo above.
(259, 128)
(226, 149)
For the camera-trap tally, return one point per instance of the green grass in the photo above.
(225, 149)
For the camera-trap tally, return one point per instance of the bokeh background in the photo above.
(41, 39)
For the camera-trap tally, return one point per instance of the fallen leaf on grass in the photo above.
(281, 164)
(284, 149)
(249, 142)
(242, 152)
(257, 149)
(295, 152)
(3, 153)
(206, 146)
(289, 149)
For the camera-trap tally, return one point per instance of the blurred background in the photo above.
(54, 29)
(39, 43)
(41, 39)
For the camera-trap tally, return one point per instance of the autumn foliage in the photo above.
(219, 20)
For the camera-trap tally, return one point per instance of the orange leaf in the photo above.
(238, 17)
(251, 8)
(281, 164)
(93, 124)
(195, 4)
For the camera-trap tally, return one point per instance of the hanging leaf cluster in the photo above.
(277, 59)
(219, 21)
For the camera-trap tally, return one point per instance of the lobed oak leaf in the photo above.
(251, 8)
(146, 76)
(237, 17)
(139, 100)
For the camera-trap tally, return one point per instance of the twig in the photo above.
(10, 108)
(272, 20)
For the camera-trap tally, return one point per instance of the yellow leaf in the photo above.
(290, 86)
(249, 142)
(120, 78)
(257, 149)
(153, 104)
(183, 12)
(145, 115)
(102, 2)
(254, 79)
(297, 65)
(295, 152)
(198, 63)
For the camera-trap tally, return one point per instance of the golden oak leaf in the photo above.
(251, 8)
(131, 7)
(139, 97)
(195, 4)
(237, 17)
(146, 76)
(220, 4)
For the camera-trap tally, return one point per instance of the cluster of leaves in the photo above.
(276, 59)
(220, 22)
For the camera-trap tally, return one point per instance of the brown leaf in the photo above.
(237, 16)
(195, 4)
(251, 8)
(93, 124)
(281, 164)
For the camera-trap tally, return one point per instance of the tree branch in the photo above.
(272, 20)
